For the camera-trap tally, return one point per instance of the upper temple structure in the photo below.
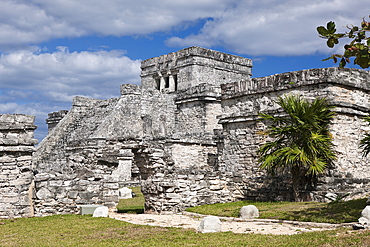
(188, 135)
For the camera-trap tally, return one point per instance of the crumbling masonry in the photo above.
(189, 136)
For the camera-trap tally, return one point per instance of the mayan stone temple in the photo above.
(188, 135)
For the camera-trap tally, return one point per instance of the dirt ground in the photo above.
(237, 225)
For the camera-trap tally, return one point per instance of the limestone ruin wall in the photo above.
(189, 134)
(82, 159)
(347, 89)
(16, 173)
(192, 66)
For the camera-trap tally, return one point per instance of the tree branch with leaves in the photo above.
(358, 48)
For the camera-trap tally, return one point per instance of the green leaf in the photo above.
(322, 31)
(363, 62)
(342, 63)
(339, 35)
(331, 42)
(331, 27)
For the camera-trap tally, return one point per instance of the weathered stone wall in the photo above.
(170, 184)
(16, 173)
(196, 113)
(191, 141)
(347, 89)
(88, 157)
(193, 66)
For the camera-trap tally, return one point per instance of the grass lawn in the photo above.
(84, 230)
(340, 212)
(133, 205)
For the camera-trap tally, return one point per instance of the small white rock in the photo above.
(366, 212)
(124, 193)
(210, 224)
(249, 212)
(101, 212)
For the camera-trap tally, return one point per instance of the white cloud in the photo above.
(275, 27)
(271, 27)
(41, 83)
(25, 22)
(66, 74)
(36, 109)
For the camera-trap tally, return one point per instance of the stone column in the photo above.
(16, 173)
(172, 83)
(54, 118)
(123, 171)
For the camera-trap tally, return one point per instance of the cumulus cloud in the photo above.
(284, 27)
(24, 22)
(34, 21)
(36, 109)
(41, 83)
(273, 27)
(63, 74)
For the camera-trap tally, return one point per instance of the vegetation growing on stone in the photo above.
(301, 142)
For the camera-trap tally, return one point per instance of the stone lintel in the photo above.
(28, 149)
(340, 108)
(354, 78)
(19, 126)
(194, 99)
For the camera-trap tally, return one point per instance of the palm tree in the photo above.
(365, 142)
(301, 142)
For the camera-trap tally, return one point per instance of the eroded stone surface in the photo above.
(16, 171)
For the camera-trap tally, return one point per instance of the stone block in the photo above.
(72, 194)
(210, 224)
(43, 194)
(366, 212)
(249, 212)
(41, 177)
(124, 193)
(88, 209)
(101, 212)
(56, 183)
(113, 186)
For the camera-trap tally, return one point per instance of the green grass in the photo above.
(340, 212)
(133, 205)
(83, 230)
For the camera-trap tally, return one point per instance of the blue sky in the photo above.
(51, 51)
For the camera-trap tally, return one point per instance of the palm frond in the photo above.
(300, 138)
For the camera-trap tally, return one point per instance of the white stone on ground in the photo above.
(249, 212)
(210, 224)
(101, 212)
(366, 212)
(124, 193)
